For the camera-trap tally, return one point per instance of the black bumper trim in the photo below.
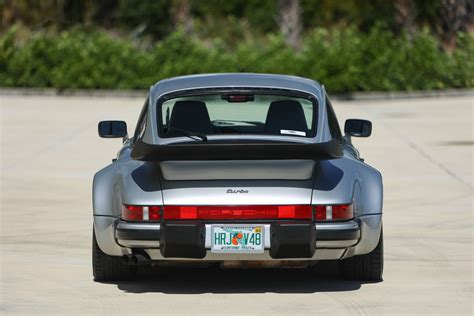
(339, 234)
(292, 240)
(187, 239)
(183, 240)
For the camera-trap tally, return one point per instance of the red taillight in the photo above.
(333, 212)
(320, 212)
(238, 212)
(132, 212)
(154, 213)
(342, 212)
(141, 213)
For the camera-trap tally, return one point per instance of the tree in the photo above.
(290, 22)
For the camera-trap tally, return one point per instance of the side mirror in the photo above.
(112, 129)
(358, 128)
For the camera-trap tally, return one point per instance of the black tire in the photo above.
(109, 268)
(367, 267)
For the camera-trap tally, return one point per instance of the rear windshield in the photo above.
(238, 114)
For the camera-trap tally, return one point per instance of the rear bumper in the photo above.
(336, 235)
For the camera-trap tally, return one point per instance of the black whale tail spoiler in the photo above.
(236, 151)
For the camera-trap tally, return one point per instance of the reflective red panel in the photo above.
(154, 213)
(320, 212)
(342, 212)
(135, 212)
(238, 212)
(132, 212)
(333, 212)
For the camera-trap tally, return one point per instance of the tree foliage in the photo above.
(217, 18)
(344, 60)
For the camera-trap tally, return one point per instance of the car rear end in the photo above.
(237, 170)
(239, 177)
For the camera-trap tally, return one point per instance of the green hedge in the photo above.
(344, 61)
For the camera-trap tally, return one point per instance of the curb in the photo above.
(395, 95)
(353, 96)
(73, 93)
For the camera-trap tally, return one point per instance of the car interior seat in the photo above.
(285, 115)
(190, 116)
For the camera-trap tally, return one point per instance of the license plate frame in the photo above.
(242, 247)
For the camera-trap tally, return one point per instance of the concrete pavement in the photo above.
(50, 151)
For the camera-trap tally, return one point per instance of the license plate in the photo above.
(235, 238)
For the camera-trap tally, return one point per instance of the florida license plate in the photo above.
(235, 238)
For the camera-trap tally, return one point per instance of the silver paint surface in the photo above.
(238, 170)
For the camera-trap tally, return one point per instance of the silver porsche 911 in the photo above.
(240, 170)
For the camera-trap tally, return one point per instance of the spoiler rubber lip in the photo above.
(236, 151)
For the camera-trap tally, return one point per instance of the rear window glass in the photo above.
(238, 114)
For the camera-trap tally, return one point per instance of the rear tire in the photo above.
(368, 267)
(109, 268)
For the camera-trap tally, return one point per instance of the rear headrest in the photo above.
(285, 114)
(191, 116)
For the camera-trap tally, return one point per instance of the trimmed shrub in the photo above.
(344, 60)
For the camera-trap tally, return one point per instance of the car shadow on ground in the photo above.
(323, 277)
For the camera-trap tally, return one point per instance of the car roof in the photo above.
(235, 80)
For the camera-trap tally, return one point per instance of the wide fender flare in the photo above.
(106, 184)
(347, 180)
(128, 182)
(369, 180)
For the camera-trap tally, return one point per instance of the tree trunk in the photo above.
(454, 18)
(290, 22)
(181, 11)
(406, 15)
